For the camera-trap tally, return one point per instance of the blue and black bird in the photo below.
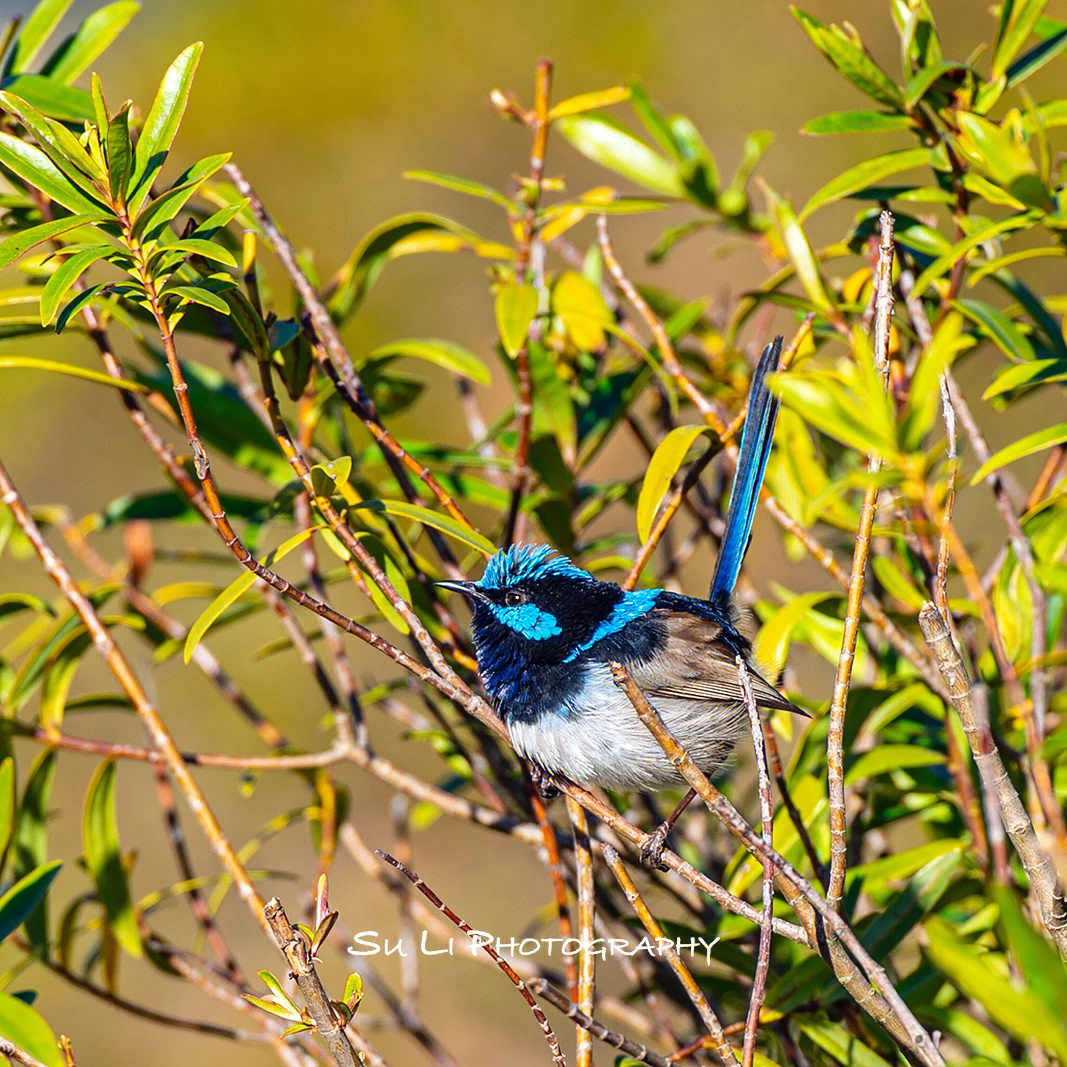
(545, 633)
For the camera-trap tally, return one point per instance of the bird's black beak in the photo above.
(468, 589)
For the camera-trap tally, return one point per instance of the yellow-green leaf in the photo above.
(1025, 446)
(662, 468)
(33, 363)
(103, 857)
(589, 102)
(516, 306)
(578, 303)
(445, 523)
(445, 354)
(236, 588)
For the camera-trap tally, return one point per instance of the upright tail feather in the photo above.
(748, 477)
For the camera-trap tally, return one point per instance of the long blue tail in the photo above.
(748, 477)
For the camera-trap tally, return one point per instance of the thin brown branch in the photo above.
(583, 864)
(297, 952)
(514, 527)
(667, 355)
(674, 961)
(763, 778)
(542, 988)
(994, 777)
(835, 755)
(435, 900)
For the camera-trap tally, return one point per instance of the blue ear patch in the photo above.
(528, 620)
(631, 606)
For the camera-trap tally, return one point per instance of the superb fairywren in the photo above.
(545, 633)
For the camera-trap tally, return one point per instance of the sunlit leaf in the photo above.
(24, 896)
(516, 306)
(662, 467)
(451, 357)
(25, 1027)
(38, 27)
(1024, 446)
(445, 523)
(866, 174)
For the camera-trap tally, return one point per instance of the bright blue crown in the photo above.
(525, 563)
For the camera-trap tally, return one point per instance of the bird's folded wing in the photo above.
(696, 665)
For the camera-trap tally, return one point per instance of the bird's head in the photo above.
(531, 608)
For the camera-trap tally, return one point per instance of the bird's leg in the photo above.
(652, 849)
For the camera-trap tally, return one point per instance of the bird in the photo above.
(546, 632)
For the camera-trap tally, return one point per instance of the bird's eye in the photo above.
(513, 598)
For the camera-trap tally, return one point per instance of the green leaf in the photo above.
(198, 294)
(516, 307)
(886, 758)
(1017, 21)
(78, 52)
(58, 677)
(866, 174)
(20, 243)
(195, 246)
(161, 124)
(842, 1046)
(1036, 58)
(851, 60)
(961, 248)
(8, 807)
(45, 17)
(1038, 960)
(857, 122)
(31, 840)
(24, 896)
(26, 1028)
(998, 328)
(82, 300)
(1020, 1011)
(59, 144)
(1017, 376)
(1025, 446)
(445, 523)
(662, 467)
(772, 643)
(30, 164)
(461, 185)
(64, 102)
(451, 357)
(611, 145)
(103, 857)
(119, 155)
(241, 584)
(66, 275)
(923, 80)
(165, 206)
(404, 235)
(32, 363)
(800, 254)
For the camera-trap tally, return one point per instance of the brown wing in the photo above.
(696, 665)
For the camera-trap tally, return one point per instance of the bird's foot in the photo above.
(548, 785)
(652, 849)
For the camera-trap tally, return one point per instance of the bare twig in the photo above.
(763, 958)
(994, 777)
(835, 756)
(542, 988)
(583, 863)
(674, 961)
(520, 985)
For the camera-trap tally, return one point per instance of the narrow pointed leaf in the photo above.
(66, 275)
(662, 467)
(866, 174)
(1025, 446)
(162, 121)
(8, 804)
(78, 52)
(24, 896)
(610, 144)
(119, 155)
(857, 122)
(445, 523)
(31, 841)
(235, 589)
(45, 17)
(445, 354)
(25, 1027)
(20, 243)
(64, 102)
(461, 185)
(103, 856)
(165, 206)
(30, 164)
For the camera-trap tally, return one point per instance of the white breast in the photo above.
(601, 741)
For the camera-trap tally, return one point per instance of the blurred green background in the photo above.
(324, 105)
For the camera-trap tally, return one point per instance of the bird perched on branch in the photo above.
(546, 632)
